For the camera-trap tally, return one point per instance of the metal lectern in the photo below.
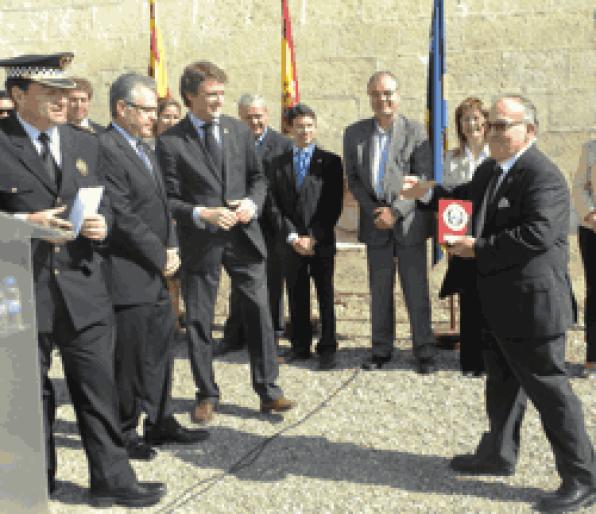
(23, 475)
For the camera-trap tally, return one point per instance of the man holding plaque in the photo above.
(520, 223)
(45, 162)
(377, 153)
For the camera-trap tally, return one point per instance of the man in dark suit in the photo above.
(269, 143)
(142, 252)
(44, 164)
(216, 188)
(520, 224)
(79, 102)
(306, 187)
(378, 151)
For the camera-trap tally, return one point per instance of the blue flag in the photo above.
(435, 104)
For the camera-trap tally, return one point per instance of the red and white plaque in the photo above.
(454, 219)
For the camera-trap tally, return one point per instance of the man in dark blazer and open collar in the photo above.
(216, 189)
(44, 164)
(269, 143)
(520, 223)
(378, 151)
(142, 253)
(306, 188)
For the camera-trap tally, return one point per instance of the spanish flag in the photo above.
(157, 60)
(290, 95)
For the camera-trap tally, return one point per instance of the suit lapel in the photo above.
(69, 164)
(506, 184)
(196, 146)
(367, 156)
(27, 154)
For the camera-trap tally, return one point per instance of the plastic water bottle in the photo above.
(3, 312)
(14, 309)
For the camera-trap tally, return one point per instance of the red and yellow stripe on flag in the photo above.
(157, 60)
(290, 95)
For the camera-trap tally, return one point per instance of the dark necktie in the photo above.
(489, 196)
(212, 145)
(48, 160)
(143, 153)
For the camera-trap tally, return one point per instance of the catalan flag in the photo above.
(436, 115)
(157, 60)
(290, 94)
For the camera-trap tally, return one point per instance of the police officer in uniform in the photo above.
(45, 163)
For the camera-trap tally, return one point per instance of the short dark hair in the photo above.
(163, 103)
(197, 72)
(22, 84)
(83, 85)
(299, 110)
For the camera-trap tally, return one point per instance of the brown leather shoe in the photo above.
(202, 412)
(281, 404)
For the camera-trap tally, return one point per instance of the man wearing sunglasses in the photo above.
(519, 241)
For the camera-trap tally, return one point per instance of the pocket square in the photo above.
(503, 203)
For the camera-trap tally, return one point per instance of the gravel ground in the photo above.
(357, 442)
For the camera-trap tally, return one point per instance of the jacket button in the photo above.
(56, 271)
(56, 249)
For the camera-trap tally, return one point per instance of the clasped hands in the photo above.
(237, 211)
(304, 245)
(94, 226)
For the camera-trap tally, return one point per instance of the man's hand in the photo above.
(94, 227)
(221, 217)
(49, 218)
(414, 188)
(462, 246)
(590, 219)
(384, 218)
(244, 209)
(304, 245)
(172, 262)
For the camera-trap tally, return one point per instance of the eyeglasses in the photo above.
(503, 125)
(146, 109)
(382, 94)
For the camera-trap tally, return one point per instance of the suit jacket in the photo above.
(26, 187)
(522, 248)
(409, 154)
(191, 179)
(315, 209)
(142, 229)
(273, 144)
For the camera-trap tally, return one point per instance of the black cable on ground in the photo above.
(251, 456)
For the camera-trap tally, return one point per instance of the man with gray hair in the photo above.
(143, 252)
(269, 143)
(378, 151)
(519, 244)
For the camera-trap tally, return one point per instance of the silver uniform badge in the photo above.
(81, 166)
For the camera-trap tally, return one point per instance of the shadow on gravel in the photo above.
(70, 493)
(185, 405)
(317, 457)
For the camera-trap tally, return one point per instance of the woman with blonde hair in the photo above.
(460, 164)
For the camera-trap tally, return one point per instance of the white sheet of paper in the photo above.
(86, 204)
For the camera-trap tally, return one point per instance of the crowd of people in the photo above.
(185, 196)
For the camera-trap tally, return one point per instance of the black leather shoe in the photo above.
(375, 362)
(292, 355)
(170, 431)
(568, 498)
(425, 366)
(471, 464)
(221, 347)
(138, 450)
(139, 494)
(327, 361)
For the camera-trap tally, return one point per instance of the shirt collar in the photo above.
(507, 164)
(85, 123)
(132, 141)
(33, 132)
(483, 155)
(198, 123)
(259, 140)
(308, 150)
(381, 131)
